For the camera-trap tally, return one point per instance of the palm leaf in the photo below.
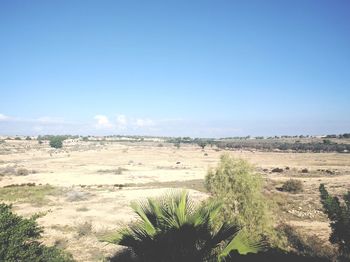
(242, 244)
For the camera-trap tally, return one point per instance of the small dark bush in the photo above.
(277, 170)
(304, 171)
(292, 186)
(22, 172)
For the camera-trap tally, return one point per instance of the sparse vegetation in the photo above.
(84, 229)
(22, 172)
(117, 171)
(182, 168)
(8, 171)
(304, 245)
(35, 195)
(74, 195)
(292, 186)
(82, 209)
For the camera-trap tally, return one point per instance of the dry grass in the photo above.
(35, 195)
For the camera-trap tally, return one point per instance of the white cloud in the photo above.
(38, 128)
(122, 122)
(4, 117)
(50, 120)
(146, 122)
(102, 122)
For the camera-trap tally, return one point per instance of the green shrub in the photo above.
(293, 186)
(28, 138)
(234, 183)
(56, 141)
(339, 214)
(19, 240)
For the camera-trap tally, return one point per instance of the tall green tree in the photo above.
(173, 229)
(234, 183)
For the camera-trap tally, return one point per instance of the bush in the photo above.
(22, 172)
(277, 170)
(56, 141)
(293, 186)
(28, 138)
(234, 182)
(339, 215)
(19, 240)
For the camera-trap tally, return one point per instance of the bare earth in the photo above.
(91, 189)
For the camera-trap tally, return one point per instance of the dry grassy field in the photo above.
(83, 191)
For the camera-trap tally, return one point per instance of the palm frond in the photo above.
(142, 211)
(242, 244)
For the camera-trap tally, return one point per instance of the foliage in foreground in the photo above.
(173, 229)
(234, 183)
(338, 213)
(19, 240)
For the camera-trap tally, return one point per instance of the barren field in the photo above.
(83, 191)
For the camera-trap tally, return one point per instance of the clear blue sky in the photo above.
(196, 68)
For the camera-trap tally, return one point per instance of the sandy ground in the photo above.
(87, 169)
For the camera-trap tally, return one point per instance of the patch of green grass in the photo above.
(82, 209)
(107, 235)
(36, 195)
(196, 184)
